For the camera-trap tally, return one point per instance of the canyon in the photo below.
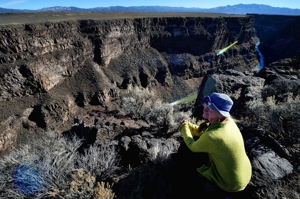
(63, 72)
(51, 70)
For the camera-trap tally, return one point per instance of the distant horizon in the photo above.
(37, 4)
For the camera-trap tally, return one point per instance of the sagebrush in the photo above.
(50, 166)
(142, 104)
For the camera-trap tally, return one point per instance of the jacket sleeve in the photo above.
(201, 145)
(194, 129)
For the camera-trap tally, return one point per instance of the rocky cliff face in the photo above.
(279, 36)
(45, 54)
(53, 69)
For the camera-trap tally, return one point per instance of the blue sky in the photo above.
(38, 4)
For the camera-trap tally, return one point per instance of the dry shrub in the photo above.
(49, 166)
(81, 186)
(101, 161)
(136, 102)
(142, 104)
(281, 120)
(161, 115)
(45, 162)
(103, 191)
(277, 117)
(166, 117)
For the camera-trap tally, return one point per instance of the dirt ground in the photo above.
(22, 18)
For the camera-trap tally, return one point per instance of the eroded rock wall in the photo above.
(43, 55)
(279, 36)
(58, 69)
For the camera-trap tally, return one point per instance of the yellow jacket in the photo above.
(229, 166)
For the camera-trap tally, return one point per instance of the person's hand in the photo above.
(183, 121)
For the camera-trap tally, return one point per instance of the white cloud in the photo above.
(11, 3)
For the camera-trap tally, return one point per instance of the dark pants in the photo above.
(210, 190)
(193, 185)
